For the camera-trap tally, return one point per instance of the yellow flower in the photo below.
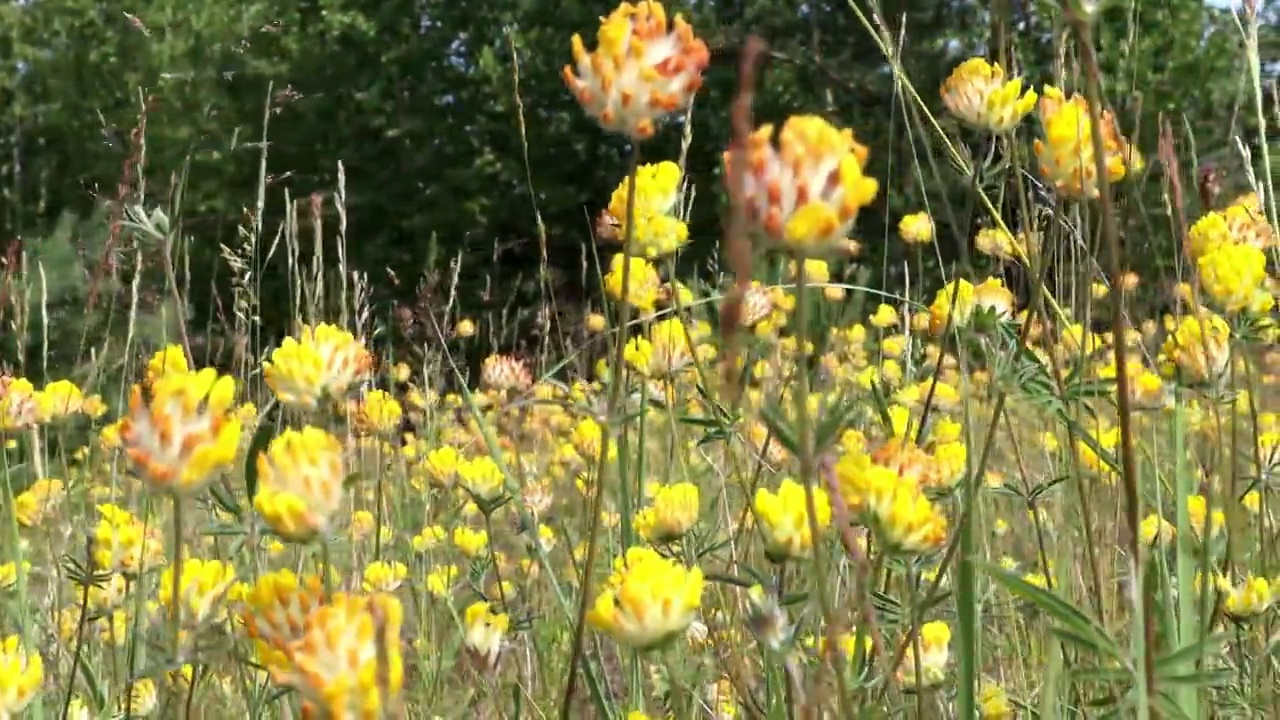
(300, 483)
(658, 231)
(1234, 277)
(993, 703)
(19, 407)
(21, 675)
(979, 96)
(204, 583)
(805, 193)
(122, 543)
(998, 243)
(1155, 529)
(348, 661)
(640, 71)
(472, 543)
(595, 323)
(1249, 599)
(992, 296)
(955, 303)
(168, 360)
(1198, 512)
(909, 523)
(916, 228)
(180, 431)
(885, 317)
(62, 398)
(587, 438)
(1242, 223)
(485, 632)
(1198, 349)
(142, 700)
(667, 352)
(77, 709)
(440, 580)
(382, 576)
(38, 501)
(276, 609)
(1252, 502)
(430, 537)
(9, 574)
(672, 513)
(784, 519)
(441, 466)
(464, 328)
(319, 363)
(643, 285)
(935, 652)
(377, 413)
(650, 601)
(483, 479)
(1066, 154)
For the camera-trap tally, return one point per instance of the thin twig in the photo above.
(737, 246)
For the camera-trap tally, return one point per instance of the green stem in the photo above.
(616, 383)
(1145, 640)
(808, 471)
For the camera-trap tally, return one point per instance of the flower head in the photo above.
(783, 518)
(1066, 153)
(649, 601)
(484, 633)
(979, 96)
(916, 228)
(1241, 223)
(482, 477)
(658, 231)
(168, 360)
(673, 512)
(505, 372)
(1198, 349)
(383, 576)
(935, 651)
(180, 431)
(642, 287)
(122, 543)
(953, 304)
(804, 192)
(377, 413)
(667, 351)
(276, 609)
(300, 483)
(1249, 598)
(204, 583)
(38, 501)
(347, 662)
(1234, 276)
(321, 362)
(19, 405)
(21, 675)
(641, 70)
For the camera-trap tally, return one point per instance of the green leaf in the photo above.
(1189, 654)
(1072, 620)
(780, 430)
(97, 693)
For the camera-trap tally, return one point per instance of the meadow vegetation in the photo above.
(777, 493)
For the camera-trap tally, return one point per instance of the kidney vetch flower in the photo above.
(805, 193)
(641, 70)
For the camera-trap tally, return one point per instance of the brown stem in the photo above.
(1111, 236)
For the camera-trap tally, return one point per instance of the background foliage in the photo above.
(459, 141)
